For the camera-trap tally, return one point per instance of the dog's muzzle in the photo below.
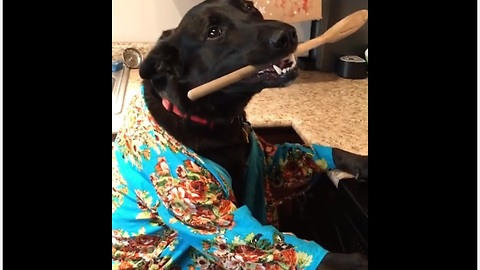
(278, 71)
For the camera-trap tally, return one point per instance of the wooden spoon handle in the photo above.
(338, 31)
(341, 29)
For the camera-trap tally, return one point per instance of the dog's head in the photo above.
(215, 38)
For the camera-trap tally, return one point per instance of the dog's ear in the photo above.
(163, 59)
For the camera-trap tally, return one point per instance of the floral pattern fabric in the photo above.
(173, 209)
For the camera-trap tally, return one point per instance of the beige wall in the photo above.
(144, 20)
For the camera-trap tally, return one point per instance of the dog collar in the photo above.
(171, 107)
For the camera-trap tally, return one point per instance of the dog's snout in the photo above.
(293, 36)
(279, 39)
(283, 38)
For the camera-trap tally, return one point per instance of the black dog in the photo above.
(215, 38)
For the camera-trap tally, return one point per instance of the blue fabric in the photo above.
(174, 209)
(255, 175)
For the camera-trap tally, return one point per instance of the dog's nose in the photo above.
(283, 38)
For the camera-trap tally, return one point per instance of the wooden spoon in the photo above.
(341, 29)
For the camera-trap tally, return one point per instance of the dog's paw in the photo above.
(363, 169)
(338, 261)
(356, 165)
(360, 167)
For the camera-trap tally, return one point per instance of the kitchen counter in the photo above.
(321, 107)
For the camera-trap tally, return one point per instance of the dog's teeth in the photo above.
(277, 69)
(284, 70)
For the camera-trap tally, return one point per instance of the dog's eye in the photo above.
(214, 33)
(249, 5)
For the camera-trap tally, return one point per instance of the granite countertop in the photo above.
(321, 107)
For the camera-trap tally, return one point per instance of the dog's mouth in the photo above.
(278, 73)
(280, 68)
